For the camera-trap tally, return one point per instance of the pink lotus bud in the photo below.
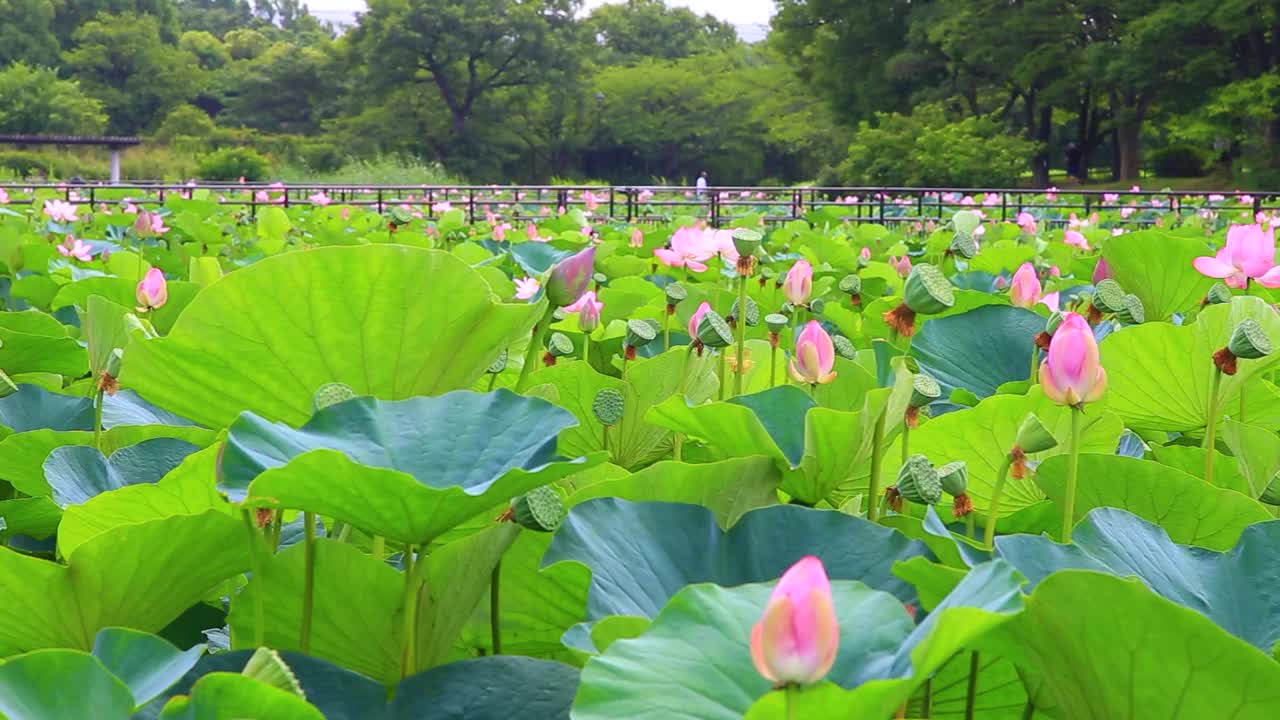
(588, 309)
(865, 253)
(703, 309)
(153, 291)
(902, 265)
(815, 356)
(797, 637)
(531, 231)
(1055, 271)
(637, 238)
(1071, 373)
(1024, 290)
(570, 277)
(1101, 271)
(1001, 282)
(799, 283)
(500, 232)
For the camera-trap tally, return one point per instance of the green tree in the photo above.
(26, 34)
(36, 102)
(287, 88)
(246, 44)
(217, 17)
(205, 46)
(73, 15)
(638, 29)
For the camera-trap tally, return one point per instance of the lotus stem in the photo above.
(969, 529)
(773, 366)
(379, 547)
(877, 459)
(906, 442)
(1035, 364)
(277, 524)
(308, 579)
(742, 336)
(666, 331)
(791, 691)
(1211, 424)
(535, 345)
(928, 695)
(495, 609)
(1073, 467)
(993, 511)
(677, 446)
(1241, 418)
(972, 693)
(720, 374)
(255, 567)
(409, 608)
(97, 419)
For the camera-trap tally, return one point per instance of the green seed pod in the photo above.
(954, 477)
(851, 284)
(1218, 294)
(1133, 312)
(541, 509)
(266, 666)
(639, 333)
(1033, 436)
(924, 390)
(559, 314)
(816, 305)
(600, 278)
(499, 364)
(928, 292)
(966, 221)
(776, 322)
(1108, 296)
(1051, 325)
(918, 481)
(787, 309)
(560, 345)
(676, 293)
(753, 312)
(746, 240)
(844, 348)
(331, 394)
(608, 406)
(1248, 341)
(400, 216)
(713, 331)
(964, 245)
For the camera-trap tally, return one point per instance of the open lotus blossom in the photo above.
(1027, 222)
(157, 224)
(443, 206)
(991, 199)
(1248, 255)
(526, 288)
(1076, 239)
(1246, 199)
(815, 356)
(500, 231)
(1071, 373)
(1110, 198)
(1051, 193)
(637, 238)
(645, 196)
(153, 291)
(902, 265)
(4, 197)
(589, 311)
(1216, 198)
(77, 249)
(689, 248)
(590, 200)
(320, 199)
(796, 640)
(696, 318)
(798, 284)
(60, 211)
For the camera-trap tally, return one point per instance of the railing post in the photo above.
(1004, 207)
(471, 205)
(881, 214)
(715, 207)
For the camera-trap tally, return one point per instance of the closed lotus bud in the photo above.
(797, 285)
(570, 277)
(639, 334)
(144, 225)
(608, 406)
(964, 246)
(918, 481)
(541, 509)
(696, 319)
(499, 364)
(153, 291)
(844, 347)
(713, 331)
(776, 322)
(746, 241)
(753, 313)
(1108, 296)
(815, 356)
(1033, 436)
(1133, 312)
(1218, 294)
(1072, 373)
(796, 639)
(966, 221)
(331, 394)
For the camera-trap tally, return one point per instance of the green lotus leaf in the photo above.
(103, 326)
(485, 689)
(77, 473)
(24, 353)
(146, 664)
(1156, 266)
(1257, 453)
(1189, 509)
(979, 350)
(122, 292)
(1158, 375)
(408, 469)
(61, 684)
(1140, 650)
(232, 696)
(264, 338)
(32, 322)
(127, 408)
(34, 408)
(1190, 460)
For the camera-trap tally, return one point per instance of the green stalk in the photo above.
(742, 336)
(309, 579)
(773, 366)
(969, 529)
(409, 619)
(495, 607)
(877, 459)
(535, 344)
(97, 420)
(379, 547)
(928, 696)
(1073, 466)
(493, 380)
(906, 442)
(972, 694)
(255, 566)
(1035, 363)
(586, 348)
(666, 332)
(1211, 424)
(277, 524)
(790, 691)
(720, 374)
(993, 511)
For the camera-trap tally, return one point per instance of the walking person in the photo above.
(701, 185)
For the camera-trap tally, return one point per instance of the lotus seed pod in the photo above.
(1133, 312)
(541, 509)
(560, 345)
(639, 333)
(1218, 294)
(1108, 296)
(776, 322)
(928, 292)
(1248, 341)
(608, 406)
(266, 666)
(964, 245)
(924, 390)
(713, 331)
(331, 394)
(499, 364)
(787, 309)
(954, 477)
(676, 293)
(816, 305)
(559, 314)
(851, 284)
(966, 221)
(600, 278)
(844, 348)
(746, 240)
(400, 216)
(918, 481)
(1033, 436)
(753, 313)
(1051, 325)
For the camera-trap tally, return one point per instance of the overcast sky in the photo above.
(738, 12)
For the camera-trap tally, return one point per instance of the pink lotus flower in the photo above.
(864, 253)
(1110, 198)
(645, 196)
(443, 206)
(760, 195)
(77, 249)
(696, 318)
(637, 238)
(4, 197)
(589, 311)
(1055, 271)
(1116, 232)
(1135, 188)
(966, 200)
(1126, 212)
(1246, 199)
(570, 277)
(1216, 198)
(902, 265)
(153, 291)
(261, 196)
(531, 231)
(1001, 282)
(1027, 222)
(60, 211)
(1102, 270)
(320, 199)
(1071, 373)
(1075, 239)
(500, 232)
(796, 640)
(590, 200)
(991, 199)
(798, 284)
(1024, 290)
(689, 248)
(815, 356)
(526, 288)
(1248, 255)
(1051, 193)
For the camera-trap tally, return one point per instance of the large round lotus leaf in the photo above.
(1158, 375)
(641, 554)
(1098, 643)
(147, 664)
(979, 350)
(77, 473)
(59, 685)
(486, 689)
(128, 408)
(1189, 509)
(1157, 267)
(264, 338)
(1236, 589)
(34, 408)
(407, 469)
(23, 353)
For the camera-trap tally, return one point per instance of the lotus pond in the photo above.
(323, 461)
